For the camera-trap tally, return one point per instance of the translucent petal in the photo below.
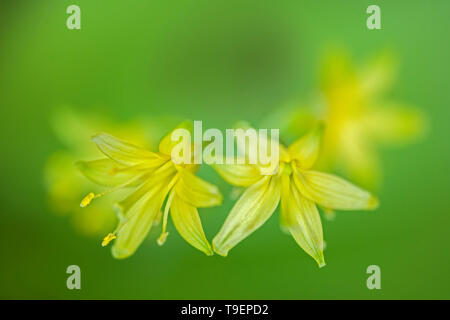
(239, 175)
(196, 191)
(125, 152)
(164, 173)
(254, 207)
(140, 217)
(166, 144)
(106, 172)
(306, 149)
(304, 224)
(187, 222)
(333, 192)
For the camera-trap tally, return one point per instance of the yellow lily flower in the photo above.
(65, 184)
(297, 188)
(153, 178)
(358, 116)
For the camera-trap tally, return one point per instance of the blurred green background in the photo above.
(220, 63)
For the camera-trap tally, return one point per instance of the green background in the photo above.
(218, 62)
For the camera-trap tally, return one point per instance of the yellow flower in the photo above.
(153, 178)
(358, 117)
(65, 184)
(297, 188)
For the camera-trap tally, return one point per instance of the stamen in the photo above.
(87, 199)
(162, 238)
(91, 196)
(110, 237)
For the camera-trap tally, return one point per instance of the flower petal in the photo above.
(164, 173)
(284, 203)
(254, 207)
(395, 123)
(126, 153)
(378, 74)
(239, 175)
(333, 192)
(166, 144)
(187, 222)
(306, 149)
(304, 224)
(106, 172)
(134, 228)
(196, 191)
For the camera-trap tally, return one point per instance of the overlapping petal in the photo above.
(254, 207)
(187, 222)
(303, 222)
(125, 152)
(133, 229)
(306, 149)
(239, 175)
(333, 192)
(106, 172)
(164, 174)
(196, 191)
(167, 144)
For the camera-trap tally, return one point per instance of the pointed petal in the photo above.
(336, 69)
(395, 123)
(166, 144)
(124, 152)
(196, 191)
(140, 217)
(239, 175)
(333, 192)
(378, 74)
(106, 172)
(254, 207)
(306, 149)
(187, 222)
(305, 225)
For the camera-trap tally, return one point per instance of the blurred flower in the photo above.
(359, 118)
(153, 178)
(65, 185)
(297, 188)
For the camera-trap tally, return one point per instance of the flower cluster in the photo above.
(153, 178)
(339, 130)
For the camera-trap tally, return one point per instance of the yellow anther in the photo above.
(110, 237)
(86, 200)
